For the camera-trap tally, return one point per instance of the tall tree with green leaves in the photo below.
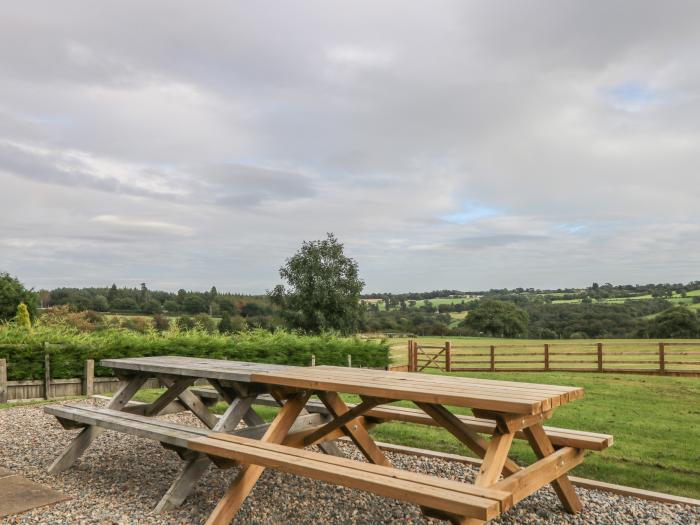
(323, 288)
(12, 293)
(498, 319)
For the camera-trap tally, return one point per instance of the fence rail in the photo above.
(662, 358)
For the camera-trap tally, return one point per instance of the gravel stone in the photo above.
(121, 478)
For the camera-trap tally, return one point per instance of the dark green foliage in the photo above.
(185, 323)
(24, 351)
(498, 319)
(12, 293)
(193, 304)
(151, 306)
(324, 288)
(205, 322)
(675, 322)
(225, 325)
(121, 304)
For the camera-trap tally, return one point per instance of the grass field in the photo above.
(655, 422)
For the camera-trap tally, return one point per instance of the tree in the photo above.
(323, 288)
(22, 317)
(113, 293)
(193, 304)
(151, 306)
(678, 321)
(100, 303)
(498, 319)
(124, 304)
(171, 306)
(12, 293)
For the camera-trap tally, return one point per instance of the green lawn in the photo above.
(655, 422)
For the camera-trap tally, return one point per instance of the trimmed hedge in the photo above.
(69, 349)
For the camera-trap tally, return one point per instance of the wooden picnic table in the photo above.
(512, 409)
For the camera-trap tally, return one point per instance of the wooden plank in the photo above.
(494, 459)
(193, 403)
(404, 391)
(454, 426)
(47, 376)
(354, 430)
(560, 437)
(170, 395)
(562, 485)
(342, 420)
(3, 381)
(248, 476)
(87, 435)
(195, 467)
(532, 478)
(386, 481)
(590, 484)
(89, 388)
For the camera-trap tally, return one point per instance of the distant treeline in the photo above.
(517, 312)
(256, 310)
(594, 291)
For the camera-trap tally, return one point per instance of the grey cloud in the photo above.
(372, 121)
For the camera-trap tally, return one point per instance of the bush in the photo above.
(161, 322)
(70, 348)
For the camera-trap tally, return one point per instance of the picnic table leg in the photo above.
(196, 466)
(356, 431)
(543, 447)
(472, 440)
(82, 441)
(236, 494)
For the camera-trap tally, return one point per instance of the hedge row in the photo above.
(68, 349)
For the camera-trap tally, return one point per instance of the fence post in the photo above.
(600, 357)
(662, 357)
(546, 357)
(89, 387)
(3, 381)
(349, 361)
(410, 355)
(313, 359)
(493, 358)
(448, 356)
(47, 375)
(415, 356)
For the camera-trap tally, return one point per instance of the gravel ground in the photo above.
(121, 478)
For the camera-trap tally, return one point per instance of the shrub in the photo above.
(161, 322)
(137, 324)
(185, 323)
(22, 317)
(70, 348)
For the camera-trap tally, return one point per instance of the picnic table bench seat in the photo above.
(167, 432)
(428, 491)
(560, 437)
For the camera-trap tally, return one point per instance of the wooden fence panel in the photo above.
(664, 358)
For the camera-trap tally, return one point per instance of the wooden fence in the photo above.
(49, 388)
(662, 358)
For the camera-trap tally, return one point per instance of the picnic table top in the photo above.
(484, 394)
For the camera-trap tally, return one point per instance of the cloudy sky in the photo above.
(463, 145)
